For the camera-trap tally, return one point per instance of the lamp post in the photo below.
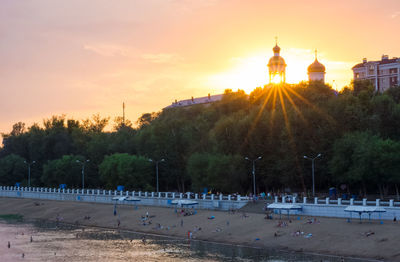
(254, 172)
(83, 171)
(312, 163)
(157, 162)
(29, 171)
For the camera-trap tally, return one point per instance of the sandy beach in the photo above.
(329, 236)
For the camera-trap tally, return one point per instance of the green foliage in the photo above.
(129, 170)
(219, 172)
(65, 170)
(355, 130)
(12, 170)
(12, 217)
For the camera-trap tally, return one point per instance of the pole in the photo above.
(312, 172)
(254, 177)
(254, 171)
(313, 181)
(157, 173)
(83, 175)
(29, 175)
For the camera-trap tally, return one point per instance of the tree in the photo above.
(64, 170)
(134, 172)
(13, 170)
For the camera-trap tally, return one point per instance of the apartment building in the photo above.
(383, 74)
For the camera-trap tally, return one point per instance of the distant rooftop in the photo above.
(196, 101)
(385, 60)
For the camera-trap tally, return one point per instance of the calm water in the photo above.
(68, 243)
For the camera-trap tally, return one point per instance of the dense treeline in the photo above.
(204, 146)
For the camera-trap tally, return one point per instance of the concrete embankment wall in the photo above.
(106, 196)
(309, 207)
(335, 208)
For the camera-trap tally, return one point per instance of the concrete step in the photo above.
(255, 207)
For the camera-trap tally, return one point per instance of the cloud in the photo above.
(108, 50)
(162, 58)
(395, 14)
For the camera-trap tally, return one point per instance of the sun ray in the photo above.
(255, 122)
(292, 142)
(294, 105)
(273, 109)
(315, 108)
(284, 111)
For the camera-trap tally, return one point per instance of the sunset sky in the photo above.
(82, 57)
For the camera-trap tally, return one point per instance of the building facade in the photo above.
(196, 101)
(383, 74)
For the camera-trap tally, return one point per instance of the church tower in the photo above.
(316, 71)
(276, 64)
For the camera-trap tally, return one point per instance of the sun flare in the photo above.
(247, 73)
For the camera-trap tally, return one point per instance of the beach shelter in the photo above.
(133, 199)
(117, 199)
(285, 207)
(184, 203)
(364, 210)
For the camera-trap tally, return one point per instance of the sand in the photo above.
(330, 236)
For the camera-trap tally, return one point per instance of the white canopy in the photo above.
(365, 209)
(184, 202)
(284, 206)
(119, 198)
(132, 199)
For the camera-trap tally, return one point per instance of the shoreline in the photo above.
(250, 232)
(154, 235)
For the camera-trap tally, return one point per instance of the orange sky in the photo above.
(81, 57)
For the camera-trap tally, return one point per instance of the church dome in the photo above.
(276, 60)
(276, 49)
(316, 67)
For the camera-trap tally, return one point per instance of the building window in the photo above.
(393, 81)
(357, 75)
(393, 71)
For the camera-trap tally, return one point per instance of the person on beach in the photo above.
(9, 244)
(31, 239)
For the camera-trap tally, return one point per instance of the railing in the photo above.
(339, 201)
(114, 193)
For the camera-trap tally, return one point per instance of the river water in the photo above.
(46, 241)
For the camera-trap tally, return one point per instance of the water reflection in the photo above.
(62, 242)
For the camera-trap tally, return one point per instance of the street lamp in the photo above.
(157, 162)
(254, 172)
(83, 171)
(313, 181)
(29, 171)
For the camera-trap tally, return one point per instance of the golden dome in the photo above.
(276, 60)
(316, 67)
